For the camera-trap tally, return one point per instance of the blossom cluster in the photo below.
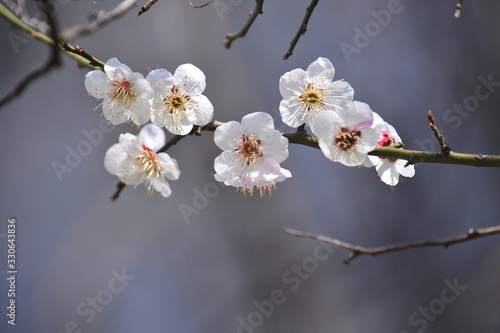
(171, 101)
(252, 150)
(174, 101)
(347, 130)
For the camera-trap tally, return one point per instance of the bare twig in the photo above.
(92, 62)
(251, 18)
(52, 62)
(302, 29)
(119, 187)
(146, 7)
(82, 30)
(357, 250)
(445, 149)
(150, 3)
(199, 6)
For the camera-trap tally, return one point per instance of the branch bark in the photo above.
(357, 250)
(302, 29)
(231, 37)
(412, 156)
(52, 62)
(87, 29)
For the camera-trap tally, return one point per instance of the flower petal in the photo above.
(97, 84)
(169, 166)
(191, 78)
(256, 122)
(226, 134)
(292, 83)
(322, 67)
(141, 112)
(115, 70)
(153, 137)
(202, 112)
(114, 155)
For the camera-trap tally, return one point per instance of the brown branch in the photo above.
(357, 250)
(445, 149)
(251, 18)
(302, 29)
(82, 30)
(146, 7)
(52, 62)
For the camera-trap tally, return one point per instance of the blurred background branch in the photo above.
(52, 62)
(357, 250)
(101, 20)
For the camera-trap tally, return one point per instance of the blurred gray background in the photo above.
(207, 275)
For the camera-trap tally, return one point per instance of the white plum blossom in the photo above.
(349, 135)
(387, 168)
(252, 153)
(178, 103)
(125, 94)
(308, 93)
(135, 161)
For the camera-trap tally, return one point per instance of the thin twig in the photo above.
(445, 149)
(357, 250)
(87, 29)
(52, 62)
(119, 187)
(146, 7)
(251, 17)
(199, 6)
(171, 142)
(302, 29)
(150, 3)
(92, 62)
